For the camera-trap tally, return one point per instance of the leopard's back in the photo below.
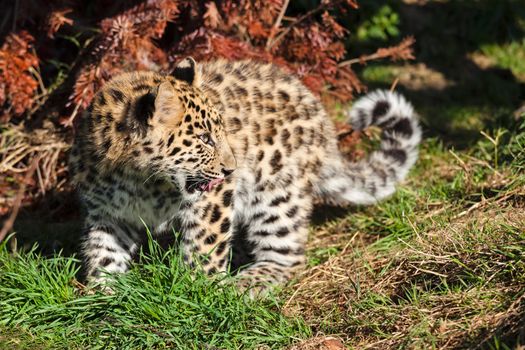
(272, 119)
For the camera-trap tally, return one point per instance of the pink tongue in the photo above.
(207, 187)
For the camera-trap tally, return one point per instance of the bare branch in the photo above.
(322, 6)
(276, 25)
(403, 51)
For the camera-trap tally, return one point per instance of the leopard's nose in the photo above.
(227, 171)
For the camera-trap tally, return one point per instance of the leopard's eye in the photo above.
(206, 138)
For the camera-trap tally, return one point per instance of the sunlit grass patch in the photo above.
(510, 56)
(158, 304)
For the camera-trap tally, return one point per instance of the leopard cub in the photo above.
(225, 152)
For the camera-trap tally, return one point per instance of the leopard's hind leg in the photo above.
(277, 220)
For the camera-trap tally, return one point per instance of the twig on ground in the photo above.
(394, 84)
(8, 224)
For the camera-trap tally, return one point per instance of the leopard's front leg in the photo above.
(206, 225)
(108, 247)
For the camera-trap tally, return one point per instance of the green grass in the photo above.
(510, 55)
(159, 304)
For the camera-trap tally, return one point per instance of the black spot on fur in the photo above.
(283, 95)
(362, 120)
(186, 73)
(191, 225)
(292, 211)
(398, 154)
(271, 219)
(211, 239)
(275, 162)
(187, 143)
(278, 200)
(140, 87)
(121, 127)
(283, 231)
(175, 151)
(106, 261)
(225, 225)
(227, 198)
(285, 136)
(403, 127)
(258, 175)
(261, 233)
(258, 215)
(215, 215)
(117, 95)
(102, 100)
(239, 90)
(206, 210)
(236, 123)
(170, 140)
(220, 249)
(217, 78)
(270, 109)
(283, 251)
(200, 234)
(380, 109)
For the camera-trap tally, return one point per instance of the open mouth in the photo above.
(203, 185)
(206, 187)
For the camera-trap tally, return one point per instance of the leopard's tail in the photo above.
(374, 178)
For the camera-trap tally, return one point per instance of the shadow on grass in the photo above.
(479, 93)
(53, 223)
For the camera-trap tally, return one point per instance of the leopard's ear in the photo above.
(188, 71)
(168, 107)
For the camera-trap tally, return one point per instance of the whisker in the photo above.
(155, 173)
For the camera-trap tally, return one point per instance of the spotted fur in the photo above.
(225, 152)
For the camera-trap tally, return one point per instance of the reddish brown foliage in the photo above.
(56, 20)
(307, 46)
(250, 29)
(153, 34)
(125, 45)
(18, 85)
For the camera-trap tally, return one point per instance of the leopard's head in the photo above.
(168, 129)
(196, 154)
